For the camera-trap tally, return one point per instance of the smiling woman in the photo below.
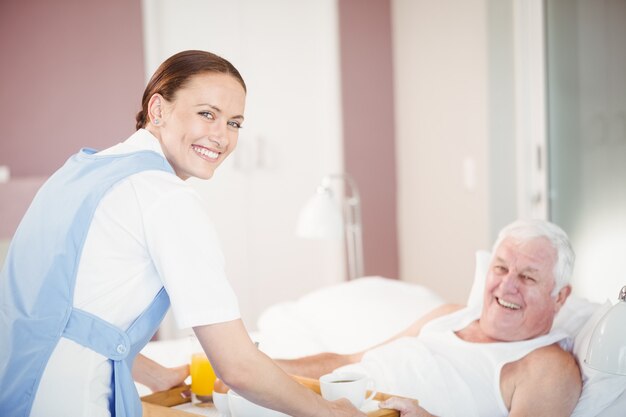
(199, 128)
(195, 111)
(128, 237)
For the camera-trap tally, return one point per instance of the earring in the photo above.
(156, 121)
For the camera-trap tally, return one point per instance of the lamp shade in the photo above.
(327, 217)
(607, 346)
(321, 217)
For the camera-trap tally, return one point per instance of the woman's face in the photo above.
(199, 128)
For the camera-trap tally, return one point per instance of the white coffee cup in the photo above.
(350, 385)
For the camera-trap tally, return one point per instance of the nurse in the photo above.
(111, 239)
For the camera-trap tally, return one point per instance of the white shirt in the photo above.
(449, 376)
(150, 230)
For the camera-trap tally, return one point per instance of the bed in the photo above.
(354, 315)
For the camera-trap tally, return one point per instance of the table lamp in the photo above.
(607, 346)
(326, 217)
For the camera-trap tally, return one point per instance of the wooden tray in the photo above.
(159, 403)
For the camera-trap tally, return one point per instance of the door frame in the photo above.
(531, 109)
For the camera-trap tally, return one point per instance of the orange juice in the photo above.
(202, 376)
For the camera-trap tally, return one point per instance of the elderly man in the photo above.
(503, 359)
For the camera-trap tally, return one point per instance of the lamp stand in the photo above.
(352, 223)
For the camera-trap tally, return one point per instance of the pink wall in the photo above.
(368, 110)
(86, 53)
(100, 73)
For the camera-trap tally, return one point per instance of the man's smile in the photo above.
(508, 304)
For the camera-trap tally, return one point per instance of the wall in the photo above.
(442, 131)
(442, 57)
(288, 54)
(368, 125)
(72, 76)
(78, 66)
(501, 142)
(587, 131)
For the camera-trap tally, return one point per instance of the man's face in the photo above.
(518, 304)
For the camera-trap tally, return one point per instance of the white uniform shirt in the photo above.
(150, 230)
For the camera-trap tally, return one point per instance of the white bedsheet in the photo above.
(352, 316)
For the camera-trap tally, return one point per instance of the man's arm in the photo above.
(415, 328)
(546, 382)
(317, 365)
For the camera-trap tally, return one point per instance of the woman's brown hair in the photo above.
(175, 71)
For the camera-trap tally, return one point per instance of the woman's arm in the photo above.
(252, 374)
(157, 377)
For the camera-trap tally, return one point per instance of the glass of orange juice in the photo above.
(202, 379)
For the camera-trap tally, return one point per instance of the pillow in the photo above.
(572, 317)
(483, 258)
(344, 318)
(600, 390)
(616, 408)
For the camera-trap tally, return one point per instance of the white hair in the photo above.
(526, 230)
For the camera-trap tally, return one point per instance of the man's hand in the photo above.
(406, 407)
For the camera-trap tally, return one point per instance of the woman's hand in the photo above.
(344, 408)
(157, 377)
(406, 407)
(173, 377)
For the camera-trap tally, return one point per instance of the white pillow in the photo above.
(343, 318)
(475, 298)
(616, 408)
(600, 390)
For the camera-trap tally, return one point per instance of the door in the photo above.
(287, 52)
(586, 91)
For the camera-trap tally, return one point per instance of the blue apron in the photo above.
(38, 278)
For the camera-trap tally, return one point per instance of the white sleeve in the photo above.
(185, 249)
